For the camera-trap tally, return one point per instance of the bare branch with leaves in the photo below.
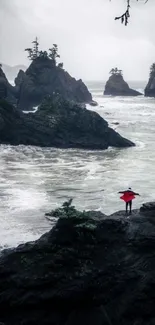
(126, 15)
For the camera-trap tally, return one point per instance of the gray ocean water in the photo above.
(35, 180)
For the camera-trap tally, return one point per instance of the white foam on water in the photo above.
(35, 180)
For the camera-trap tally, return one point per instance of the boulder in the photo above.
(93, 103)
(58, 123)
(148, 208)
(44, 78)
(116, 86)
(89, 269)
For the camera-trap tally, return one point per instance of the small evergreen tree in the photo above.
(120, 72)
(43, 54)
(115, 71)
(35, 48)
(53, 53)
(30, 53)
(33, 53)
(60, 65)
(112, 71)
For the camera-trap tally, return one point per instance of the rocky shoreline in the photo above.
(89, 269)
(150, 87)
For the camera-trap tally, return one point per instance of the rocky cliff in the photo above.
(43, 78)
(12, 71)
(116, 86)
(7, 91)
(58, 123)
(89, 269)
(150, 87)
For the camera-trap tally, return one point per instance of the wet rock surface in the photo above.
(58, 123)
(89, 269)
(7, 91)
(116, 86)
(150, 87)
(43, 78)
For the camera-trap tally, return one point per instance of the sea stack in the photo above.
(116, 86)
(150, 88)
(45, 76)
(58, 123)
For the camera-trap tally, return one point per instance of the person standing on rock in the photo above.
(127, 197)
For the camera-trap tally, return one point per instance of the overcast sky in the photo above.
(90, 41)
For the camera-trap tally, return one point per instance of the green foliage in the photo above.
(43, 54)
(55, 102)
(60, 65)
(30, 53)
(34, 53)
(35, 48)
(115, 71)
(67, 210)
(53, 53)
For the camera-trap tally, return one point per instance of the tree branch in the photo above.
(126, 15)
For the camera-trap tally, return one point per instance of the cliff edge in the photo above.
(89, 269)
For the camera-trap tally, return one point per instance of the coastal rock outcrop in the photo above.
(89, 269)
(150, 87)
(58, 123)
(44, 78)
(116, 86)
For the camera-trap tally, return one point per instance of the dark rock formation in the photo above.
(150, 88)
(115, 123)
(58, 123)
(3, 85)
(20, 78)
(93, 103)
(12, 71)
(7, 91)
(89, 269)
(148, 208)
(116, 86)
(43, 78)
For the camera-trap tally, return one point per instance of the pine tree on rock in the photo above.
(53, 53)
(35, 48)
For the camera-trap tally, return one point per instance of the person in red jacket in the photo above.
(128, 196)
